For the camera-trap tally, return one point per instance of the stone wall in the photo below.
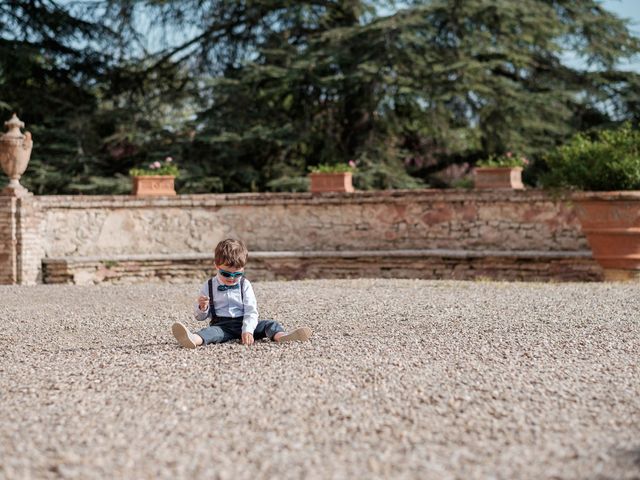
(278, 222)
(8, 241)
(21, 244)
(415, 264)
(104, 226)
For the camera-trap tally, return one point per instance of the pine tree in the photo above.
(93, 110)
(433, 84)
(249, 93)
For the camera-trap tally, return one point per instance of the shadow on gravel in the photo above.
(633, 457)
(627, 461)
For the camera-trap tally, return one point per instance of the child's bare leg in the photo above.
(185, 337)
(301, 334)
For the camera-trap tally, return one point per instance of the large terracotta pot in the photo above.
(154, 185)
(611, 223)
(499, 178)
(331, 182)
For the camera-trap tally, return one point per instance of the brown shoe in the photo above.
(301, 334)
(183, 335)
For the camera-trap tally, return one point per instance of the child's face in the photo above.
(229, 280)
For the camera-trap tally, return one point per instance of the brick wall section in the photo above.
(529, 220)
(8, 241)
(438, 264)
(30, 245)
(21, 245)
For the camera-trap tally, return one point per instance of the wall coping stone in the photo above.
(216, 200)
(331, 254)
(633, 195)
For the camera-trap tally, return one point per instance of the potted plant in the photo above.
(332, 178)
(503, 171)
(155, 180)
(605, 166)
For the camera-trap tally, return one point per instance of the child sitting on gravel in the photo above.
(229, 300)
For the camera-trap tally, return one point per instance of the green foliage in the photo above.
(289, 184)
(335, 168)
(508, 159)
(603, 161)
(250, 94)
(466, 183)
(417, 90)
(167, 167)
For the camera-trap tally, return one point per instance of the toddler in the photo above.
(229, 301)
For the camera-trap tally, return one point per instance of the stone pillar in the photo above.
(8, 241)
(20, 244)
(30, 246)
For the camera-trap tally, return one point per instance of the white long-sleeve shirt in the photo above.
(229, 303)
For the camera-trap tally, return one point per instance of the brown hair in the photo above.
(232, 253)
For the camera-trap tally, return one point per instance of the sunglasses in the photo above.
(226, 274)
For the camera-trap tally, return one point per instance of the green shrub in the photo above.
(336, 168)
(508, 160)
(289, 184)
(607, 160)
(156, 168)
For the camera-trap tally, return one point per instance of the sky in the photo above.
(629, 9)
(625, 8)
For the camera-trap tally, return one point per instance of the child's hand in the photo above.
(247, 338)
(203, 302)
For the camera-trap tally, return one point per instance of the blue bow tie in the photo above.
(222, 288)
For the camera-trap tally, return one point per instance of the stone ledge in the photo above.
(424, 264)
(374, 196)
(328, 254)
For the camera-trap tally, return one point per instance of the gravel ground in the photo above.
(402, 379)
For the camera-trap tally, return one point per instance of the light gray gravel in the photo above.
(402, 379)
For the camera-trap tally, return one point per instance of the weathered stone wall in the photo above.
(21, 245)
(103, 226)
(8, 241)
(30, 241)
(280, 222)
(417, 264)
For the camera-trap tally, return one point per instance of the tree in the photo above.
(433, 84)
(249, 93)
(94, 111)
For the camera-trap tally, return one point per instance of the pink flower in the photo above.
(352, 163)
(152, 166)
(156, 164)
(508, 154)
(168, 159)
(525, 160)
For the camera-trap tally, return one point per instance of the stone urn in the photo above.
(506, 178)
(15, 151)
(331, 182)
(611, 223)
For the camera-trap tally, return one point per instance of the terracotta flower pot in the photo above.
(154, 185)
(331, 182)
(499, 178)
(611, 223)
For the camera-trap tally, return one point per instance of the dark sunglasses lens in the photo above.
(230, 275)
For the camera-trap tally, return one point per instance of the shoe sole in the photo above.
(301, 334)
(182, 335)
